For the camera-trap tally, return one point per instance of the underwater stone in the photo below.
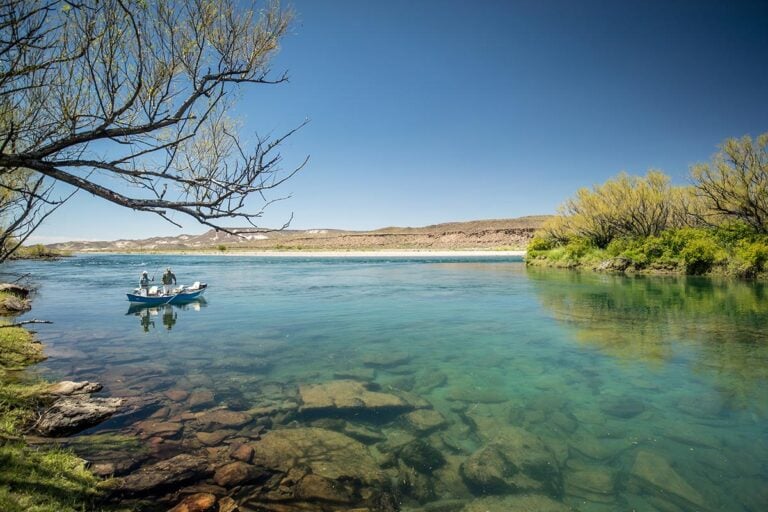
(421, 456)
(199, 502)
(169, 473)
(164, 429)
(598, 449)
(653, 474)
(347, 395)
(200, 399)
(387, 359)
(177, 395)
(593, 484)
(624, 407)
(425, 420)
(237, 473)
(219, 418)
(530, 503)
(242, 452)
(362, 374)
(475, 395)
(516, 461)
(326, 453)
(213, 438)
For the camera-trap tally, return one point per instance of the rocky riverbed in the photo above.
(355, 443)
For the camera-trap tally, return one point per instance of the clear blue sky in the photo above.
(426, 112)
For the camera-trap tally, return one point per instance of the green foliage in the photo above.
(540, 243)
(750, 258)
(221, 247)
(17, 348)
(698, 256)
(717, 225)
(34, 252)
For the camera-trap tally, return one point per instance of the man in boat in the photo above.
(169, 278)
(144, 283)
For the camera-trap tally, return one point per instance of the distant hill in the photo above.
(478, 234)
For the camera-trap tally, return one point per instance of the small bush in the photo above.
(698, 256)
(750, 258)
(540, 244)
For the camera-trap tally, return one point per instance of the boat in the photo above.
(154, 296)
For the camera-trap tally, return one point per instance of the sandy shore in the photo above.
(339, 254)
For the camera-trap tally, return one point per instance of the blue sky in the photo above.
(427, 112)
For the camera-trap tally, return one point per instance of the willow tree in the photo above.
(127, 100)
(735, 184)
(624, 206)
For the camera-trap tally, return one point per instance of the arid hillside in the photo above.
(481, 234)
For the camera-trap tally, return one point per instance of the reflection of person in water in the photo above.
(146, 321)
(169, 316)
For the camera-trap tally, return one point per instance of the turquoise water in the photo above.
(615, 375)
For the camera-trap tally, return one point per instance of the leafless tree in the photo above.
(128, 100)
(735, 185)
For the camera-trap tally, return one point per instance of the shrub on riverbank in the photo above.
(693, 251)
(718, 224)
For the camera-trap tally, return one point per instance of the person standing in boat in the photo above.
(169, 278)
(144, 284)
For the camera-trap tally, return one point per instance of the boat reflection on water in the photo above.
(167, 313)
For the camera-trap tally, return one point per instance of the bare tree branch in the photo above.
(100, 94)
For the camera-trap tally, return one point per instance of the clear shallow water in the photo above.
(622, 378)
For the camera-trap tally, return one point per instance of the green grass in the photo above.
(18, 349)
(44, 480)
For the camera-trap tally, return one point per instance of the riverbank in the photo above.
(377, 254)
(687, 251)
(45, 478)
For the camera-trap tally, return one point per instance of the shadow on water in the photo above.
(166, 313)
(715, 326)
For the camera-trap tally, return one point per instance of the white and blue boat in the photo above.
(155, 296)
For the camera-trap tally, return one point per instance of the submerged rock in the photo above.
(201, 399)
(425, 420)
(237, 473)
(624, 407)
(325, 453)
(593, 484)
(653, 474)
(156, 478)
(213, 438)
(386, 359)
(70, 415)
(476, 394)
(516, 461)
(348, 395)
(531, 503)
(200, 502)
(421, 456)
(223, 418)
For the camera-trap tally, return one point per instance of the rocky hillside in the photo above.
(483, 234)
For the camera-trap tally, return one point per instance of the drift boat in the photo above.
(154, 296)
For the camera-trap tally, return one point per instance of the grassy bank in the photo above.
(38, 252)
(47, 479)
(694, 251)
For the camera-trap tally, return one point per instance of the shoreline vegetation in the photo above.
(717, 225)
(44, 478)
